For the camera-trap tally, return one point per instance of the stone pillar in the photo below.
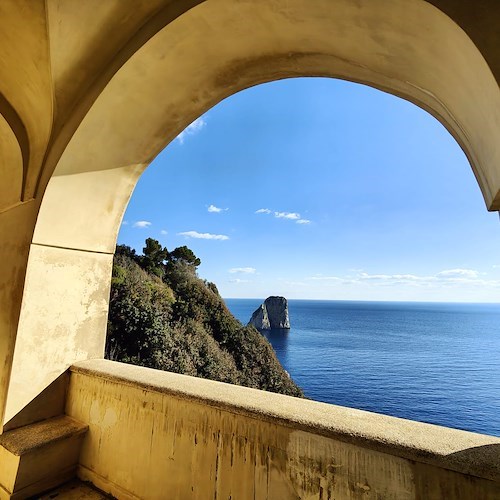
(65, 304)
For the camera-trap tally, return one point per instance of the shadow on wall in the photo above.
(484, 460)
(488, 456)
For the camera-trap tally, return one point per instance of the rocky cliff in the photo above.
(273, 313)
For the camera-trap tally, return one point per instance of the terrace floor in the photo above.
(74, 490)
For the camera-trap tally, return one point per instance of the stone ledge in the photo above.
(460, 451)
(29, 438)
(39, 456)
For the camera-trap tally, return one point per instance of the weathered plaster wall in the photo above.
(154, 432)
(25, 122)
(74, 286)
(15, 234)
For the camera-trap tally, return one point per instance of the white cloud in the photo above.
(449, 277)
(125, 223)
(284, 215)
(394, 277)
(459, 273)
(287, 215)
(238, 280)
(216, 210)
(141, 223)
(192, 129)
(164, 232)
(244, 270)
(325, 278)
(203, 236)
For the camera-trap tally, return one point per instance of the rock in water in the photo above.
(260, 319)
(273, 313)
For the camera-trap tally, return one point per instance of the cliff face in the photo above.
(273, 313)
(260, 319)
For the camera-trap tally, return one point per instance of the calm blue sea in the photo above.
(433, 362)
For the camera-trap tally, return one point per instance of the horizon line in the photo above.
(370, 300)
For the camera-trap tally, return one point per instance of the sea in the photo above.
(432, 362)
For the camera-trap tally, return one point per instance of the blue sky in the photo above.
(318, 188)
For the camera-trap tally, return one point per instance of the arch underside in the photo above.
(219, 47)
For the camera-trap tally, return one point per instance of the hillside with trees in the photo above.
(162, 315)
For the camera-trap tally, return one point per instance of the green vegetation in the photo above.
(163, 316)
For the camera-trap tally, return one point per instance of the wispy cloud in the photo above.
(216, 210)
(450, 277)
(243, 270)
(141, 223)
(394, 277)
(446, 278)
(287, 215)
(192, 129)
(238, 280)
(125, 223)
(458, 273)
(164, 232)
(295, 216)
(325, 278)
(203, 236)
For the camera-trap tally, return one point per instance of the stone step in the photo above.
(40, 456)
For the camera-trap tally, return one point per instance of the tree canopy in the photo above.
(163, 316)
(153, 260)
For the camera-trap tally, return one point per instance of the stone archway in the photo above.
(170, 64)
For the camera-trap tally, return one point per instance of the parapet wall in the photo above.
(159, 435)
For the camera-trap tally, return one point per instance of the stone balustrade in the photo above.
(155, 434)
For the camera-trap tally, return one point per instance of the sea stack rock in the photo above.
(273, 313)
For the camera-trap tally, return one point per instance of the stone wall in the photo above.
(153, 432)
